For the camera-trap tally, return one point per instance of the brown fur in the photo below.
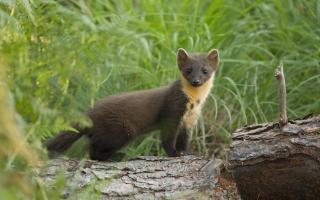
(173, 109)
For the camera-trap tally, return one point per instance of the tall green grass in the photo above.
(64, 55)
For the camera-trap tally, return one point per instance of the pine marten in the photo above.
(173, 109)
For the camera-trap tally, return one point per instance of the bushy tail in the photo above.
(63, 141)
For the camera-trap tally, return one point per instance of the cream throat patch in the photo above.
(196, 98)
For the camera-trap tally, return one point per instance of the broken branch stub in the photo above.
(282, 95)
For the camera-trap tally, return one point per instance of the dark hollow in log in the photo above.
(148, 177)
(269, 162)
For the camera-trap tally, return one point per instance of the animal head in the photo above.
(197, 68)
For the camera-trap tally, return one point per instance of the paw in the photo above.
(180, 153)
(188, 153)
(174, 153)
(184, 153)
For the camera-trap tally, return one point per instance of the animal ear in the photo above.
(182, 55)
(213, 56)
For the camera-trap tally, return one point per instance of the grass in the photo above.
(64, 55)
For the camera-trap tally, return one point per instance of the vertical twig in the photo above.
(282, 94)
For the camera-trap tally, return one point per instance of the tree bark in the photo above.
(273, 162)
(187, 177)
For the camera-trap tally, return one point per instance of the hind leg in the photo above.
(102, 147)
(105, 142)
(105, 148)
(100, 154)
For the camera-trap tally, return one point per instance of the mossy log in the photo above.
(148, 177)
(273, 162)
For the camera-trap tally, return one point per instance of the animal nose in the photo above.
(196, 82)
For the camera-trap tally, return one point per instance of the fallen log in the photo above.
(187, 177)
(273, 161)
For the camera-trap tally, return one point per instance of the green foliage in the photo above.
(64, 55)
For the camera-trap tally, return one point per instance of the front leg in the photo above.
(174, 141)
(182, 140)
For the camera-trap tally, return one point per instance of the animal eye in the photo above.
(189, 70)
(205, 71)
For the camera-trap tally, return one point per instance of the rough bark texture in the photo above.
(273, 162)
(187, 177)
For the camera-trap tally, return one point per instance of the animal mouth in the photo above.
(196, 84)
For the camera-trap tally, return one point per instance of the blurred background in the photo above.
(58, 57)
